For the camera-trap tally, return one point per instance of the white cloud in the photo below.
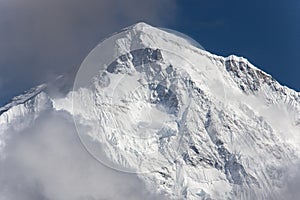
(48, 162)
(292, 182)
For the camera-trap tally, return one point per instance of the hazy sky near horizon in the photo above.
(42, 39)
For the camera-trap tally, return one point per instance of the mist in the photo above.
(48, 162)
(292, 182)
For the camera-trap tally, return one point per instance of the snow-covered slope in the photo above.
(192, 124)
(21, 112)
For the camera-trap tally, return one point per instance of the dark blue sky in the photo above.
(40, 40)
(266, 32)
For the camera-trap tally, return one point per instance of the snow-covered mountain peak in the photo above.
(139, 26)
(193, 125)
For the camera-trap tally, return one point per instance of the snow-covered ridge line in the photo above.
(203, 126)
(21, 99)
(142, 27)
(32, 93)
(184, 42)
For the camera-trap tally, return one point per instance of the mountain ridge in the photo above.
(222, 124)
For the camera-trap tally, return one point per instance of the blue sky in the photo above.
(266, 32)
(40, 40)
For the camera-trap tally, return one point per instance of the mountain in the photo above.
(191, 124)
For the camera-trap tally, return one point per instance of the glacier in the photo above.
(190, 124)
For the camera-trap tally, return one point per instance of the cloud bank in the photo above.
(48, 162)
(292, 182)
